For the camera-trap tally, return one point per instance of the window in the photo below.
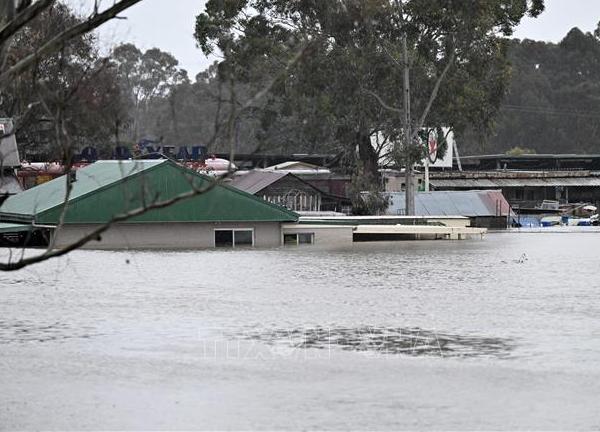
(224, 238)
(518, 194)
(234, 237)
(290, 239)
(298, 239)
(305, 238)
(243, 238)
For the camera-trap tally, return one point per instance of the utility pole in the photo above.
(409, 192)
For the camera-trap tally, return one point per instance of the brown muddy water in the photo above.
(502, 333)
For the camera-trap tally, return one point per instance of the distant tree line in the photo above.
(553, 101)
(103, 100)
(499, 95)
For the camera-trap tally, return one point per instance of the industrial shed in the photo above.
(526, 189)
(220, 216)
(485, 208)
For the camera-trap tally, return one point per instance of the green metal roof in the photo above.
(108, 188)
(12, 228)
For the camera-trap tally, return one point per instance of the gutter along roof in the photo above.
(108, 188)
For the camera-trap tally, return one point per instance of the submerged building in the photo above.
(287, 189)
(484, 208)
(218, 216)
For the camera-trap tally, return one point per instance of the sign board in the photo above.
(443, 137)
(148, 148)
(438, 142)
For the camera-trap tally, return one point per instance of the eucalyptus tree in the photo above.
(350, 85)
(145, 77)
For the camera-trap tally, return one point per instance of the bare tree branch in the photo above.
(194, 191)
(433, 95)
(382, 102)
(22, 19)
(93, 235)
(58, 41)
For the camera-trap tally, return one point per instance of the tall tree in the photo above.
(349, 86)
(74, 83)
(145, 77)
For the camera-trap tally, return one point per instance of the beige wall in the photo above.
(166, 235)
(324, 235)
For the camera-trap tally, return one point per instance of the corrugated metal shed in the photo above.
(255, 181)
(109, 188)
(453, 203)
(516, 182)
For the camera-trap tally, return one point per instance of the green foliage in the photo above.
(366, 195)
(74, 81)
(329, 101)
(146, 78)
(551, 103)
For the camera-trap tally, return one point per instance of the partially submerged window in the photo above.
(298, 239)
(243, 238)
(224, 238)
(306, 238)
(234, 237)
(290, 239)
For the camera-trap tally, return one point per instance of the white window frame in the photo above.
(233, 230)
(312, 239)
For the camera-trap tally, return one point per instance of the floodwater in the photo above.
(502, 333)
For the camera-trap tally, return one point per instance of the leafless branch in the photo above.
(23, 18)
(382, 102)
(93, 235)
(433, 95)
(194, 191)
(58, 41)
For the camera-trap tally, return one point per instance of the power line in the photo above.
(550, 111)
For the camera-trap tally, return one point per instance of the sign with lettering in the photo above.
(147, 149)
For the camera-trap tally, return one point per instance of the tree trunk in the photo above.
(367, 157)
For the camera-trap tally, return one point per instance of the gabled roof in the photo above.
(255, 181)
(108, 188)
(297, 166)
(88, 179)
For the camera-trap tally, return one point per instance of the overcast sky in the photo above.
(169, 25)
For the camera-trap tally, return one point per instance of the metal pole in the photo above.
(409, 175)
(456, 155)
(426, 188)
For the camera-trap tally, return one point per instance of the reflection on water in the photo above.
(386, 340)
(28, 331)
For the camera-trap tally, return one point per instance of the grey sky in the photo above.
(169, 25)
